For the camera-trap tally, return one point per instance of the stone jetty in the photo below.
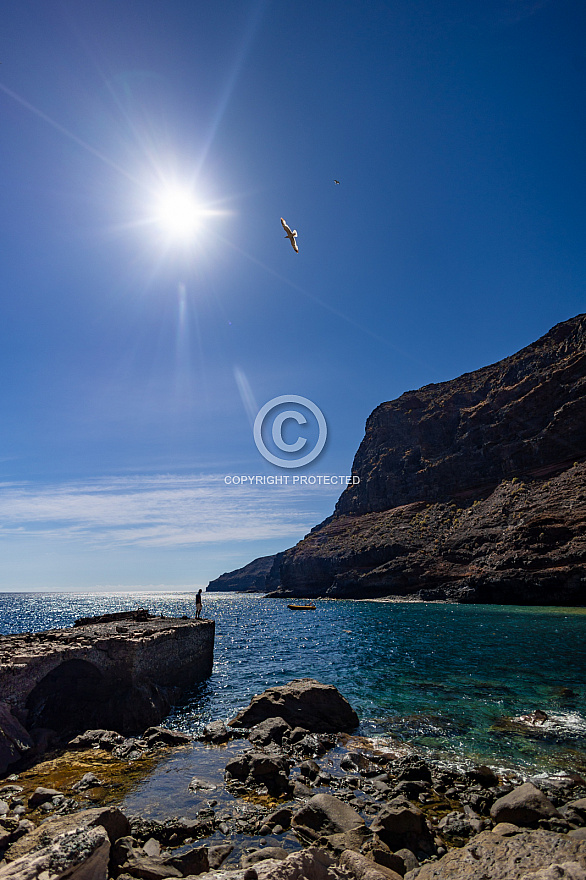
(119, 671)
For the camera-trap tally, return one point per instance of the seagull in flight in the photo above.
(336, 181)
(291, 235)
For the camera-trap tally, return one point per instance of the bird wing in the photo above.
(294, 243)
(285, 227)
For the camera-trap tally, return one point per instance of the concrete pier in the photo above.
(120, 672)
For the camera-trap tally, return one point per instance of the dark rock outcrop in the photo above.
(525, 805)
(326, 814)
(470, 490)
(252, 578)
(15, 741)
(268, 732)
(260, 768)
(401, 824)
(303, 702)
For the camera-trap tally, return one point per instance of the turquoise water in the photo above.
(445, 679)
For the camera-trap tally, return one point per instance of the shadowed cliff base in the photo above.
(249, 579)
(471, 490)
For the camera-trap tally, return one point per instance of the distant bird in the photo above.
(336, 181)
(291, 235)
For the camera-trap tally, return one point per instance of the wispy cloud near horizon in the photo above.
(158, 511)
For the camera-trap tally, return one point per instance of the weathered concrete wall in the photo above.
(122, 675)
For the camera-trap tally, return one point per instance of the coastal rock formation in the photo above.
(327, 814)
(252, 578)
(304, 702)
(525, 805)
(81, 854)
(472, 490)
(400, 823)
(259, 768)
(122, 675)
(364, 813)
(361, 868)
(311, 864)
(14, 739)
(505, 858)
(108, 819)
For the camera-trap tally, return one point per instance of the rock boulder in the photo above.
(310, 864)
(326, 814)
(79, 854)
(269, 732)
(361, 868)
(14, 739)
(525, 805)
(303, 702)
(505, 858)
(111, 819)
(401, 824)
(260, 768)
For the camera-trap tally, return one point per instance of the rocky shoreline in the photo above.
(301, 797)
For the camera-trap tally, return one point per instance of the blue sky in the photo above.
(134, 355)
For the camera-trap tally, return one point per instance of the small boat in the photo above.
(301, 607)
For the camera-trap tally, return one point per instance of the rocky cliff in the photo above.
(472, 489)
(250, 578)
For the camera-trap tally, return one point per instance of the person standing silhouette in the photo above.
(198, 605)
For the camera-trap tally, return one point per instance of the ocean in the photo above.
(447, 680)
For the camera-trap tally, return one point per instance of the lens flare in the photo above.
(178, 214)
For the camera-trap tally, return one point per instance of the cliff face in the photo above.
(470, 489)
(522, 414)
(250, 578)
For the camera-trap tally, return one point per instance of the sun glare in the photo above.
(178, 214)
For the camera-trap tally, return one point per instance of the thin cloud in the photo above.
(157, 511)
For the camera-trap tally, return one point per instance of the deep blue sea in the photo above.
(448, 680)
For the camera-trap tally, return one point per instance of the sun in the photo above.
(177, 213)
